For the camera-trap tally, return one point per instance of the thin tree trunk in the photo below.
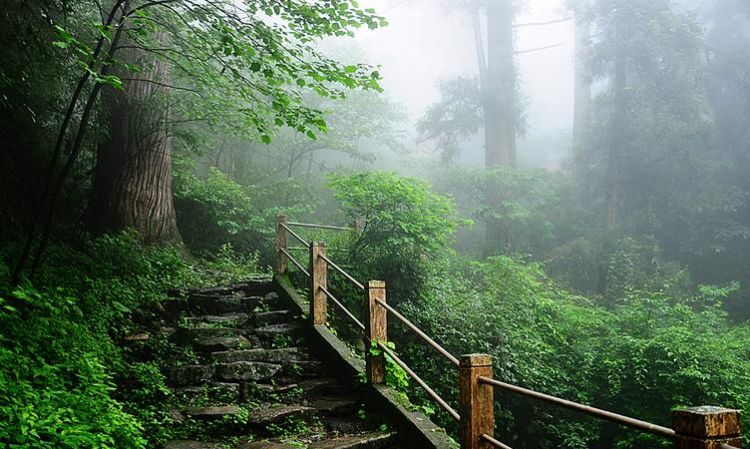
(57, 151)
(616, 147)
(133, 176)
(500, 95)
(582, 96)
(76, 148)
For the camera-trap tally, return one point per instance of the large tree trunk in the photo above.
(133, 178)
(500, 92)
(582, 95)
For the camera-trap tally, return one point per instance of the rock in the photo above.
(265, 445)
(213, 412)
(252, 303)
(247, 371)
(143, 336)
(175, 306)
(302, 368)
(271, 297)
(185, 444)
(176, 417)
(290, 329)
(323, 386)
(370, 440)
(215, 304)
(333, 404)
(191, 375)
(215, 392)
(238, 319)
(272, 317)
(274, 415)
(213, 344)
(259, 355)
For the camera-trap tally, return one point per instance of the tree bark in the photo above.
(617, 143)
(500, 92)
(133, 176)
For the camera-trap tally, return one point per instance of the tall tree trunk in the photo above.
(582, 95)
(500, 92)
(616, 145)
(133, 176)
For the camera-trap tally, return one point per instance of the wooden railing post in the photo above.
(281, 261)
(706, 428)
(376, 329)
(318, 279)
(476, 399)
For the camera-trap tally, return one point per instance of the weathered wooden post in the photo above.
(318, 279)
(281, 243)
(376, 329)
(476, 399)
(706, 427)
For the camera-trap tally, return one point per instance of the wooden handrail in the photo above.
(419, 380)
(297, 264)
(420, 333)
(695, 428)
(588, 410)
(319, 226)
(344, 273)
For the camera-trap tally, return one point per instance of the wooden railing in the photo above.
(704, 427)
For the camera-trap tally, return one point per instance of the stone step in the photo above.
(191, 375)
(303, 369)
(278, 413)
(213, 413)
(237, 319)
(266, 445)
(262, 319)
(185, 336)
(216, 305)
(258, 287)
(214, 344)
(260, 355)
(370, 440)
(334, 405)
(188, 444)
(216, 392)
(322, 385)
(288, 329)
(247, 371)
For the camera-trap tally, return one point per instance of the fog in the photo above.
(427, 41)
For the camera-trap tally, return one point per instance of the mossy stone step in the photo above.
(213, 413)
(260, 355)
(237, 319)
(188, 444)
(272, 317)
(221, 392)
(191, 375)
(247, 371)
(214, 344)
(370, 440)
(278, 413)
(334, 405)
(216, 305)
(288, 329)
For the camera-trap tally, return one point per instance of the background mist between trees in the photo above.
(161, 159)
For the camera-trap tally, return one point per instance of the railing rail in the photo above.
(588, 410)
(694, 428)
(321, 226)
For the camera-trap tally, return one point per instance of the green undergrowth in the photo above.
(61, 361)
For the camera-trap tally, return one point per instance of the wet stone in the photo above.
(259, 355)
(214, 412)
(191, 374)
(247, 371)
(213, 344)
(274, 415)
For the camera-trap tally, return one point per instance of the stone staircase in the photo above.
(251, 381)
